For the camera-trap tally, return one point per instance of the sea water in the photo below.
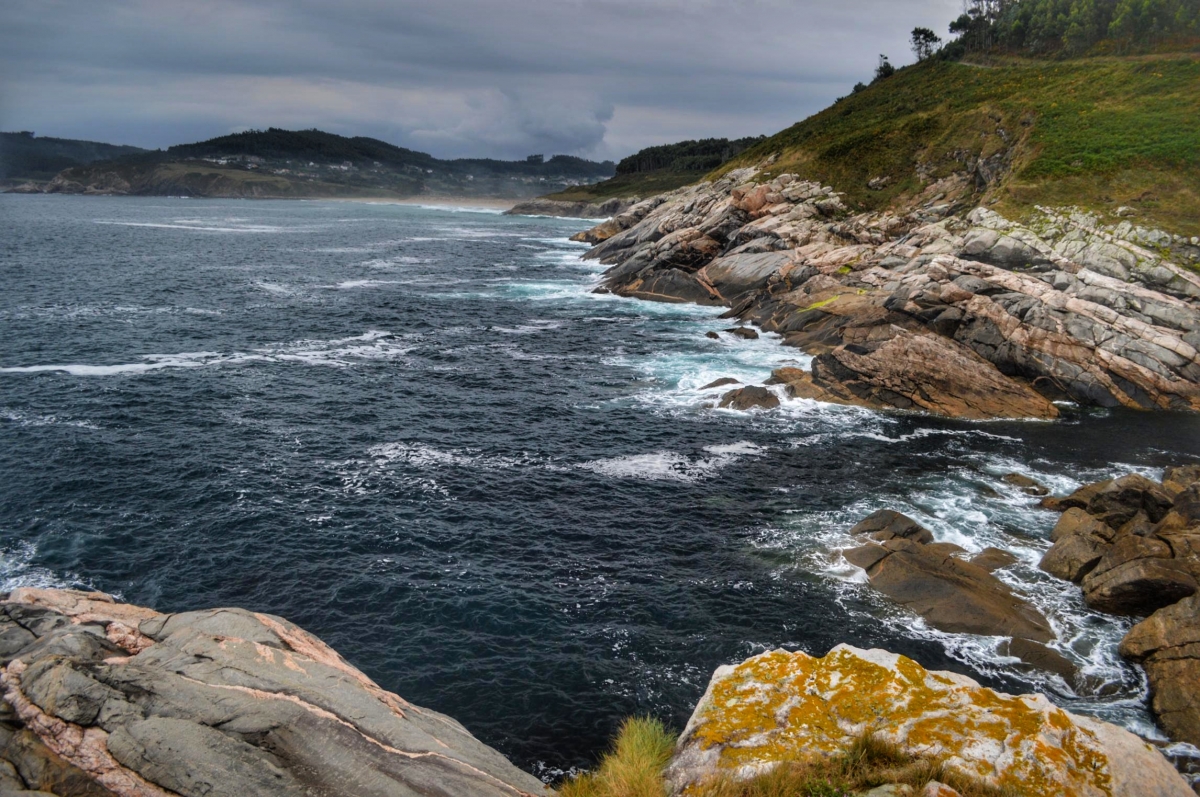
(419, 434)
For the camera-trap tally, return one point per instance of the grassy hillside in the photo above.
(1097, 133)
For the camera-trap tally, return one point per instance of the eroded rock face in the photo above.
(108, 698)
(1063, 309)
(1167, 644)
(1134, 545)
(782, 706)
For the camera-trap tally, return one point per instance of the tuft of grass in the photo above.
(634, 766)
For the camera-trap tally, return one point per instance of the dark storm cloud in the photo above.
(456, 78)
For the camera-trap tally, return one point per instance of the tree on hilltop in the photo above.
(924, 43)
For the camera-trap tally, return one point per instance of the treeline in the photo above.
(1072, 27)
(686, 156)
(317, 145)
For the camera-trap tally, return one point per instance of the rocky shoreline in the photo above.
(933, 306)
(105, 698)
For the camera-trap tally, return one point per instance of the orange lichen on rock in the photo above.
(781, 706)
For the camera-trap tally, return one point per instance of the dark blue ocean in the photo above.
(417, 433)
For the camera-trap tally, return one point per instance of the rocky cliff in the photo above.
(930, 305)
(103, 698)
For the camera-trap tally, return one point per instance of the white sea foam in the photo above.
(420, 455)
(17, 571)
(671, 465)
(974, 508)
(28, 419)
(347, 285)
(200, 226)
(343, 352)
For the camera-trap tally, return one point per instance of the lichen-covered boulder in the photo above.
(782, 706)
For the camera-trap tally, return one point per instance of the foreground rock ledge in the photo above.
(103, 698)
(782, 706)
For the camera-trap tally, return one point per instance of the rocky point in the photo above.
(934, 307)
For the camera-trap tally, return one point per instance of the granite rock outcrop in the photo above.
(103, 698)
(1133, 545)
(933, 306)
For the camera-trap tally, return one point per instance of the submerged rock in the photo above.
(781, 706)
(105, 698)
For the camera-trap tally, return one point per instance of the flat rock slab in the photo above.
(952, 595)
(218, 703)
(781, 706)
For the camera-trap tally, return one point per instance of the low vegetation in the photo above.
(656, 170)
(1097, 132)
(634, 768)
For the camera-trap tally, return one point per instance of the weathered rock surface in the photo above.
(103, 698)
(1134, 545)
(951, 594)
(1167, 644)
(782, 706)
(748, 398)
(916, 372)
(960, 308)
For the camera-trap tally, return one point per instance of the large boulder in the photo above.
(1167, 644)
(748, 398)
(223, 702)
(1138, 587)
(888, 524)
(916, 372)
(781, 706)
(951, 594)
(1080, 542)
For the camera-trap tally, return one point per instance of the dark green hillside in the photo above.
(320, 147)
(655, 170)
(313, 163)
(24, 156)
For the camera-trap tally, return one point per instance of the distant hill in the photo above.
(24, 156)
(660, 168)
(313, 163)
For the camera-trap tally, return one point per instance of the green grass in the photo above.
(634, 768)
(1097, 132)
(624, 186)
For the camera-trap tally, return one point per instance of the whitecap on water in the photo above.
(343, 352)
(17, 571)
(671, 465)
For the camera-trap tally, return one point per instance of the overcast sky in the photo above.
(457, 78)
